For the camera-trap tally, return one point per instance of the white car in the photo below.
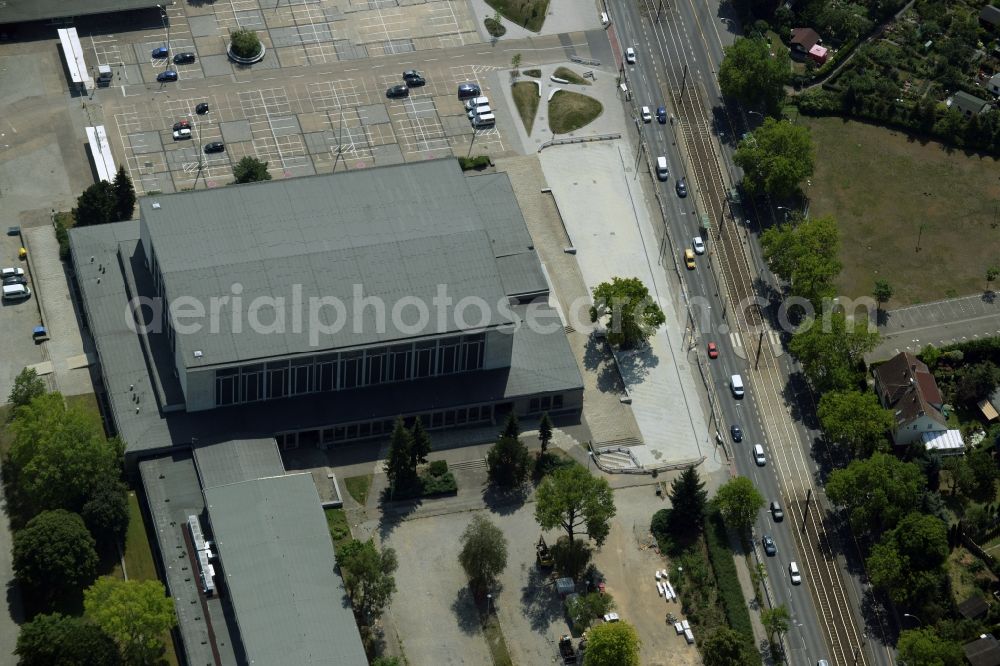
(647, 117)
(758, 455)
(793, 573)
(630, 55)
(699, 245)
(11, 272)
(183, 133)
(611, 617)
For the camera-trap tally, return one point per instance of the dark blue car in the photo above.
(168, 75)
(160, 53)
(661, 114)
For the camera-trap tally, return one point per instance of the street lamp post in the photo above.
(166, 27)
(590, 459)
(914, 617)
(489, 603)
(785, 209)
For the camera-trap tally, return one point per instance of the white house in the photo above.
(905, 386)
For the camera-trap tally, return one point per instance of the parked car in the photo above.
(646, 115)
(770, 548)
(11, 272)
(630, 55)
(661, 114)
(477, 101)
(681, 187)
(181, 134)
(160, 52)
(182, 124)
(165, 76)
(736, 432)
(698, 244)
(397, 91)
(611, 617)
(713, 350)
(215, 147)
(184, 58)
(467, 90)
(17, 279)
(201, 109)
(413, 78)
(776, 512)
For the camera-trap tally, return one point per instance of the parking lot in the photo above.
(299, 127)
(17, 320)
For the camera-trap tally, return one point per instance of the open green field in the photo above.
(529, 14)
(526, 100)
(569, 111)
(887, 191)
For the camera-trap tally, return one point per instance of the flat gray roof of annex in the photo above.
(398, 231)
(17, 11)
(278, 560)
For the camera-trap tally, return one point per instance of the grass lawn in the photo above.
(886, 190)
(968, 574)
(87, 402)
(526, 13)
(496, 642)
(526, 99)
(358, 487)
(569, 111)
(568, 74)
(533, 73)
(340, 531)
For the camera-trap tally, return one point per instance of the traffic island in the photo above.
(245, 47)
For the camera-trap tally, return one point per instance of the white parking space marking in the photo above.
(260, 107)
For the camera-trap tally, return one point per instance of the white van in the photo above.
(793, 572)
(605, 21)
(758, 455)
(662, 172)
(485, 120)
(736, 386)
(15, 292)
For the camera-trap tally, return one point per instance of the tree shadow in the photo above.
(635, 364)
(504, 501)
(539, 602)
(465, 611)
(597, 358)
(989, 296)
(392, 513)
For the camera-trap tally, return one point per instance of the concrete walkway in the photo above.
(940, 323)
(609, 222)
(564, 16)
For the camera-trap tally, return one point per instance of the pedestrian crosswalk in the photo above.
(747, 343)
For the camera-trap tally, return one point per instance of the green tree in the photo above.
(877, 492)
(907, 562)
(515, 64)
(54, 639)
(484, 552)
(627, 311)
(421, 447)
(399, 465)
(574, 500)
(508, 462)
(59, 455)
(775, 621)
(805, 255)
(97, 205)
(983, 470)
(725, 647)
(975, 381)
(923, 647)
(54, 553)
(584, 609)
(27, 386)
(135, 614)
(387, 661)
(750, 74)
(612, 644)
(856, 420)
(251, 170)
(688, 501)
(106, 512)
(368, 577)
(960, 474)
(511, 427)
(739, 502)
(245, 43)
(545, 431)
(124, 195)
(992, 273)
(832, 352)
(882, 292)
(775, 158)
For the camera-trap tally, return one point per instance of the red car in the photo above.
(182, 124)
(713, 350)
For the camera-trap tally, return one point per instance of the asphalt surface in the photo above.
(681, 52)
(940, 323)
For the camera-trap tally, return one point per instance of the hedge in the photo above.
(721, 557)
(477, 162)
(445, 484)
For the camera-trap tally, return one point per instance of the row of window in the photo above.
(358, 431)
(348, 370)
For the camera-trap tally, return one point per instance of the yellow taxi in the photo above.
(689, 258)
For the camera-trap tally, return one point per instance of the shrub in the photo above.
(730, 592)
(495, 28)
(62, 236)
(477, 162)
(444, 484)
(245, 43)
(438, 468)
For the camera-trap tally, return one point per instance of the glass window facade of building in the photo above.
(341, 371)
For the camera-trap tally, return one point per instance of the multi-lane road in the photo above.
(679, 46)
